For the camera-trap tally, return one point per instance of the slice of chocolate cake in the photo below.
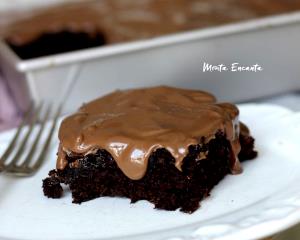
(166, 145)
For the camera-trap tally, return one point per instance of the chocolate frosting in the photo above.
(127, 20)
(131, 124)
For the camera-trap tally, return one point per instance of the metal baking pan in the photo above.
(175, 60)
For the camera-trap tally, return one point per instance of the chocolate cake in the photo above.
(166, 145)
(122, 21)
(50, 43)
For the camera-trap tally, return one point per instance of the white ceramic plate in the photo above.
(263, 200)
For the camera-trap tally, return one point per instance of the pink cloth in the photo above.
(8, 112)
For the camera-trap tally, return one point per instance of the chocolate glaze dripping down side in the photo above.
(131, 124)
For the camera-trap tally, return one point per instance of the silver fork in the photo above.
(29, 166)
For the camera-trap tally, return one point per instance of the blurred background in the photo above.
(33, 32)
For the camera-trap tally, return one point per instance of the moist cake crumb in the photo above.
(166, 145)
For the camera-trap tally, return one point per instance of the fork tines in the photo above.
(33, 135)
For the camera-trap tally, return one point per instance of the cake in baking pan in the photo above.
(96, 23)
